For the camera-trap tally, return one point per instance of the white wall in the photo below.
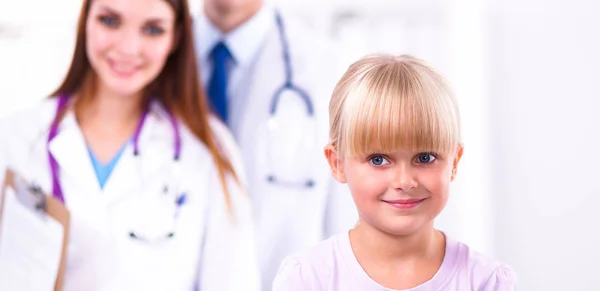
(544, 77)
(35, 49)
(467, 216)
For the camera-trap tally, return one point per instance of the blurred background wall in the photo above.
(525, 73)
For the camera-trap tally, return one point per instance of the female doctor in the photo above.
(152, 182)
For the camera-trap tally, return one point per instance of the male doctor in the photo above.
(248, 52)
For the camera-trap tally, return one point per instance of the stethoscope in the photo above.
(273, 124)
(168, 201)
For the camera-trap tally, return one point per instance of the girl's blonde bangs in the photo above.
(398, 106)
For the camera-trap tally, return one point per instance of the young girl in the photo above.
(395, 140)
(150, 178)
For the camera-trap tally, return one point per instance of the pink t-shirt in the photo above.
(332, 266)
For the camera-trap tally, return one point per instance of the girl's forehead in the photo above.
(413, 141)
(400, 151)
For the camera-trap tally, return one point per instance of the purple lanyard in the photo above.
(62, 103)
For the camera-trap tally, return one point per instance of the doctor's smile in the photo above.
(122, 69)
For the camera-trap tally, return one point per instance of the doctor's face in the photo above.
(128, 42)
(401, 192)
(231, 6)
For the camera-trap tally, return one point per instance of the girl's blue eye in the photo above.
(378, 161)
(425, 158)
(109, 21)
(153, 30)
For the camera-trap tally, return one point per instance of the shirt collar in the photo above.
(243, 42)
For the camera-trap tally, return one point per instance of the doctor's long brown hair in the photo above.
(177, 87)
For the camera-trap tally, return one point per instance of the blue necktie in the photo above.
(217, 86)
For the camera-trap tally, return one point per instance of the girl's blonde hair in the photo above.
(385, 103)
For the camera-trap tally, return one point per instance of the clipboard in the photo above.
(45, 205)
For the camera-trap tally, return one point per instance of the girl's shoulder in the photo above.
(482, 270)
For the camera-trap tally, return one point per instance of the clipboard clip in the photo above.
(41, 204)
(31, 195)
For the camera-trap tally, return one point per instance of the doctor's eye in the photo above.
(378, 160)
(109, 21)
(426, 158)
(153, 30)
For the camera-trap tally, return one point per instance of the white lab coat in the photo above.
(101, 255)
(291, 218)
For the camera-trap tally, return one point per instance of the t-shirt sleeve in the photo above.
(503, 279)
(294, 275)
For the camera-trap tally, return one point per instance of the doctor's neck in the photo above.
(227, 17)
(110, 111)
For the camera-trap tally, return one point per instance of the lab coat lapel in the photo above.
(249, 130)
(258, 97)
(123, 178)
(71, 153)
(131, 172)
(157, 146)
(37, 167)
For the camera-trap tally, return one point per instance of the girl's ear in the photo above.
(335, 163)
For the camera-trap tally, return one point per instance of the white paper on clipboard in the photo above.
(30, 247)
